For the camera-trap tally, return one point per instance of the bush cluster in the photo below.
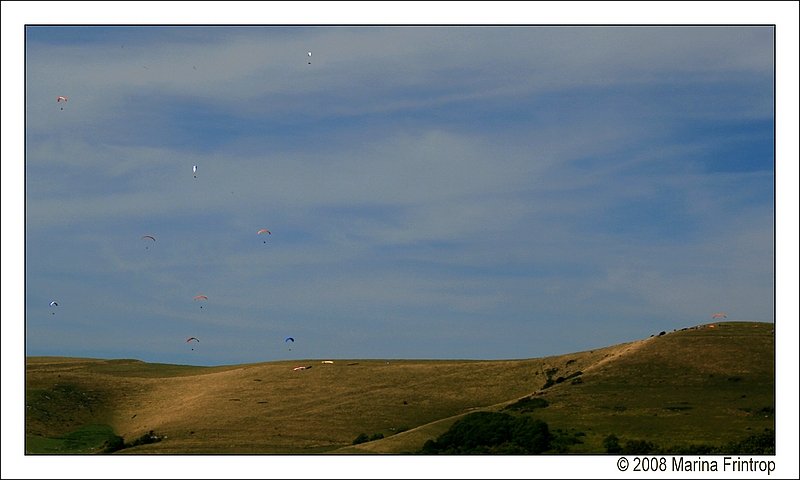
(575, 376)
(527, 404)
(492, 433)
(757, 444)
(117, 443)
(363, 437)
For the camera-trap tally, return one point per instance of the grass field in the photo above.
(698, 385)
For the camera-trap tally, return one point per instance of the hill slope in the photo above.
(696, 385)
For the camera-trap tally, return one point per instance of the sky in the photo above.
(431, 191)
(442, 190)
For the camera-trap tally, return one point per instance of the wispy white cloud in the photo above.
(488, 180)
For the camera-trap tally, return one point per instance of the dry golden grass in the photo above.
(269, 408)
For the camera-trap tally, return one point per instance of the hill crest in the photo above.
(667, 379)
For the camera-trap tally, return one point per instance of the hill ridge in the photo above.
(619, 350)
(684, 376)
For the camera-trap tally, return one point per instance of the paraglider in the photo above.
(719, 315)
(262, 231)
(197, 298)
(188, 340)
(287, 340)
(53, 304)
(149, 238)
(61, 98)
(194, 171)
(309, 58)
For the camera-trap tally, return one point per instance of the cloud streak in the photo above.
(433, 192)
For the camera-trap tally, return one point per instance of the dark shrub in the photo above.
(639, 447)
(527, 404)
(611, 444)
(692, 449)
(478, 428)
(766, 411)
(532, 436)
(561, 442)
(758, 444)
(148, 437)
(361, 438)
(113, 444)
(492, 433)
(430, 447)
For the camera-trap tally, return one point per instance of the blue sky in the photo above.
(432, 192)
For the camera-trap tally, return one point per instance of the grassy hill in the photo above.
(697, 385)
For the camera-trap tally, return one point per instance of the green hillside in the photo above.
(698, 385)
